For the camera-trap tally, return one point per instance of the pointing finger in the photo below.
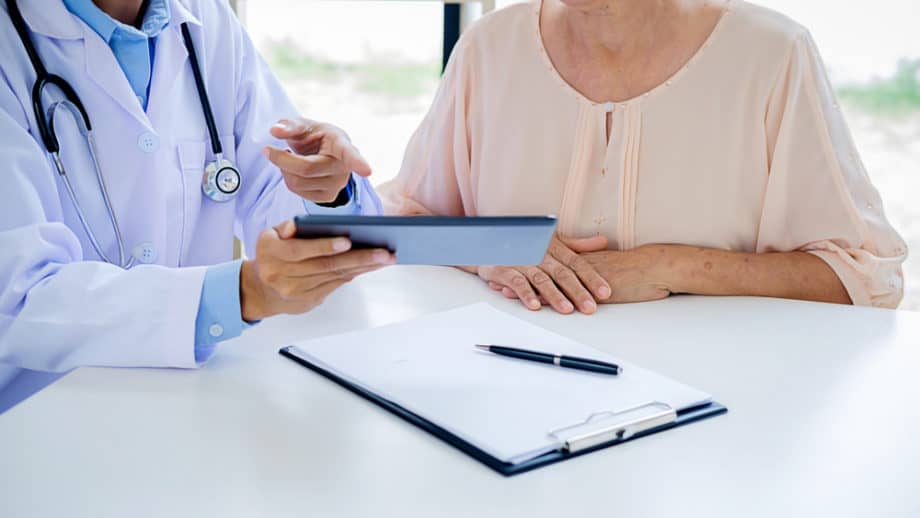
(334, 141)
(311, 166)
(342, 149)
(291, 129)
(315, 166)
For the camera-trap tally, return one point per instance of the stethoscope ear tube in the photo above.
(20, 25)
(45, 125)
(43, 78)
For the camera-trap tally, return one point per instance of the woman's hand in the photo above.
(564, 280)
(295, 275)
(321, 159)
(636, 275)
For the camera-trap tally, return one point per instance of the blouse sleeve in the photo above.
(819, 198)
(434, 177)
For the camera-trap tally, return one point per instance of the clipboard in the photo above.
(597, 432)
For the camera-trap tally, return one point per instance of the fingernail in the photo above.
(589, 305)
(604, 292)
(567, 306)
(266, 152)
(383, 257)
(534, 304)
(285, 124)
(340, 245)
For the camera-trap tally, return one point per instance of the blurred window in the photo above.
(370, 67)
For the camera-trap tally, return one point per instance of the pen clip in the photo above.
(603, 427)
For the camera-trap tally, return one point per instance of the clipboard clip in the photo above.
(603, 427)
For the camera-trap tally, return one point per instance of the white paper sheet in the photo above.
(504, 406)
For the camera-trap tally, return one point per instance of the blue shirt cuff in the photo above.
(219, 316)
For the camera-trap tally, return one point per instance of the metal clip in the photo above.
(604, 427)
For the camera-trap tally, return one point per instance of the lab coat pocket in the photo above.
(191, 163)
(194, 157)
(206, 224)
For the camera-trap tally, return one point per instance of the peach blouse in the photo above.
(743, 149)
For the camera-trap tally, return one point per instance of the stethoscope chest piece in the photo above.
(221, 180)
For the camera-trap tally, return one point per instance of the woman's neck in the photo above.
(612, 50)
(621, 27)
(127, 12)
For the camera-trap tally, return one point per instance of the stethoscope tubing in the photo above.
(49, 138)
(72, 102)
(202, 92)
(106, 200)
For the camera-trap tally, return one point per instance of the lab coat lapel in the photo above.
(104, 70)
(50, 18)
(169, 65)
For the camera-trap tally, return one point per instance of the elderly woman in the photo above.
(688, 146)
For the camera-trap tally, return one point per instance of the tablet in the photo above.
(441, 240)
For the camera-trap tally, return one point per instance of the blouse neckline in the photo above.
(610, 105)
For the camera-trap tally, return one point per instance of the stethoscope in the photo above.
(220, 181)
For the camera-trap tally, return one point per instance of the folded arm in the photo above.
(654, 271)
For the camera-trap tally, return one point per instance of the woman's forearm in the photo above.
(792, 275)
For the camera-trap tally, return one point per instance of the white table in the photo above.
(824, 420)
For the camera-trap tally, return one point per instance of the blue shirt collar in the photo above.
(156, 18)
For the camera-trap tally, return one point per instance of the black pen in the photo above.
(559, 360)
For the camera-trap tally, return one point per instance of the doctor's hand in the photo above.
(565, 280)
(320, 160)
(290, 275)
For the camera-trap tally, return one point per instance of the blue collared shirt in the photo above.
(219, 317)
(132, 47)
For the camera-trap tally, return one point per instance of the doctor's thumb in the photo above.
(285, 230)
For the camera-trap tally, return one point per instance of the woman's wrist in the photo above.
(669, 265)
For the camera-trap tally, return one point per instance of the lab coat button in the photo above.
(216, 330)
(145, 253)
(148, 142)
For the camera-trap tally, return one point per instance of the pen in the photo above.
(559, 360)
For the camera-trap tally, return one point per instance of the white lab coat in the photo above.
(62, 307)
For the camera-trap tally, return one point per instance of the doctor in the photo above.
(129, 263)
